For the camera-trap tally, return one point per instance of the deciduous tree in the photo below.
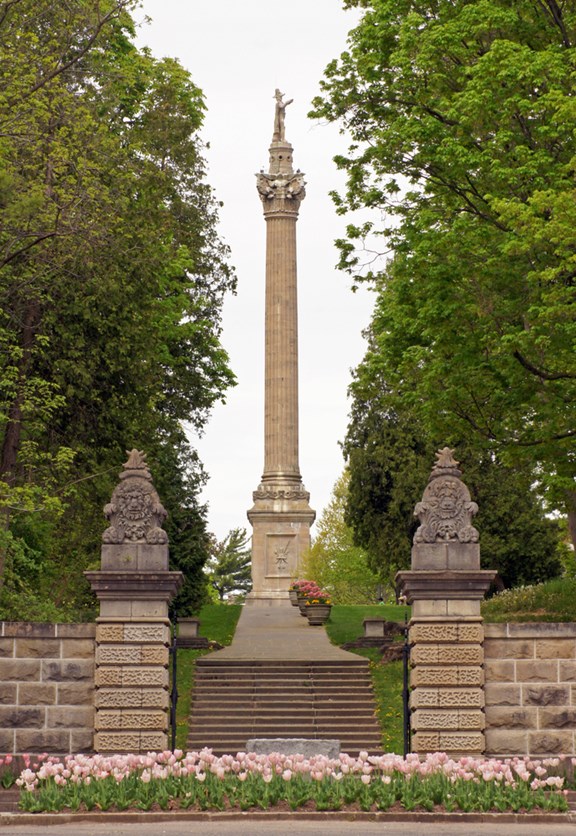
(390, 455)
(460, 115)
(335, 561)
(112, 275)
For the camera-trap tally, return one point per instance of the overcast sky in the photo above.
(238, 52)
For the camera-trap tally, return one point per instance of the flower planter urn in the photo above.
(293, 595)
(301, 603)
(318, 614)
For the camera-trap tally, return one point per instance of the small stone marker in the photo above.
(374, 627)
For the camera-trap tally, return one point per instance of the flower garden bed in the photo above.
(201, 781)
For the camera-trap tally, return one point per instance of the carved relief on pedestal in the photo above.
(280, 554)
(135, 512)
(446, 511)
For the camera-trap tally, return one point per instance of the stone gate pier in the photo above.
(134, 588)
(445, 586)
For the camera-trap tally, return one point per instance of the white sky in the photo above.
(238, 52)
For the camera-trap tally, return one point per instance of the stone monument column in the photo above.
(134, 588)
(281, 516)
(445, 587)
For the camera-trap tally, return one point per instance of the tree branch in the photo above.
(554, 12)
(37, 240)
(544, 375)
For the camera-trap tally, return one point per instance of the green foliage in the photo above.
(387, 459)
(345, 623)
(229, 566)
(460, 117)
(390, 455)
(334, 561)
(218, 621)
(550, 601)
(112, 279)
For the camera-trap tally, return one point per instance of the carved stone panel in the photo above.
(280, 555)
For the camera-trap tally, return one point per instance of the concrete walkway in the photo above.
(279, 633)
(249, 825)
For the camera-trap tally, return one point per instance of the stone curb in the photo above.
(147, 817)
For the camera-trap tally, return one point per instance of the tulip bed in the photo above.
(202, 781)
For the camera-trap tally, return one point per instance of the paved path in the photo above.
(296, 826)
(278, 632)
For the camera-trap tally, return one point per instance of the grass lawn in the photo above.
(345, 625)
(217, 623)
(551, 601)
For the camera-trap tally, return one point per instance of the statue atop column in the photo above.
(279, 117)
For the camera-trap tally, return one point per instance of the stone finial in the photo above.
(135, 512)
(446, 511)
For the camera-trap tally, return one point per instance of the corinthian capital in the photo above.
(280, 192)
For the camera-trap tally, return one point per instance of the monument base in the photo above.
(281, 518)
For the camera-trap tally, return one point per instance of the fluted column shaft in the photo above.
(281, 372)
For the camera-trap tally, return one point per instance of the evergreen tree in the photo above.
(229, 567)
(391, 454)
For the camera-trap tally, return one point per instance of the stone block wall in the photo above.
(46, 687)
(530, 689)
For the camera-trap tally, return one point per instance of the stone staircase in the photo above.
(236, 700)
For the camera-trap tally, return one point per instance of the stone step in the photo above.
(283, 682)
(262, 703)
(9, 800)
(293, 694)
(271, 664)
(310, 720)
(277, 684)
(285, 711)
(239, 700)
(281, 673)
(206, 735)
(234, 745)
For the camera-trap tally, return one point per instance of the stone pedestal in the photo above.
(134, 588)
(281, 516)
(445, 587)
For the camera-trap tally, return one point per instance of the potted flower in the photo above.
(294, 591)
(318, 609)
(306, 590)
